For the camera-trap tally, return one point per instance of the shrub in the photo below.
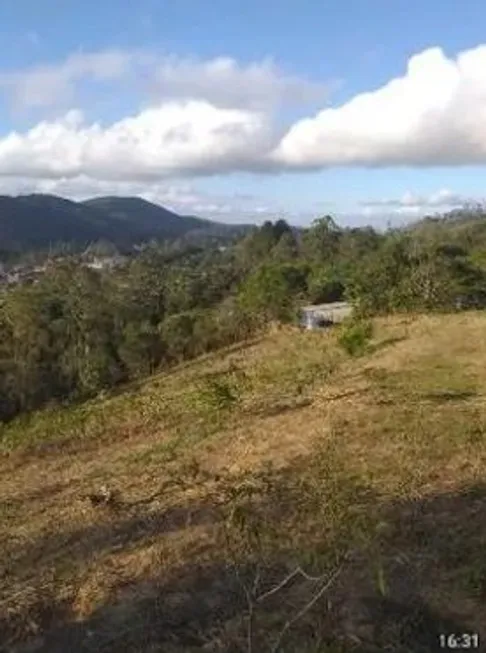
(354, 336)
(217, 394)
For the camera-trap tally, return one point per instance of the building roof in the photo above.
(333, 306)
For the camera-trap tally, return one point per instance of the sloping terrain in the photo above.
(154, 221)
(35, 221)
(149, 219)
(167, 517)
(31, 222)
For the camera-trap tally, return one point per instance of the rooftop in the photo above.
(333, 306)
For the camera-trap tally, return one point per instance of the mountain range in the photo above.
(37, 222)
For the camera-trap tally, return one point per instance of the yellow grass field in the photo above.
(165, 517)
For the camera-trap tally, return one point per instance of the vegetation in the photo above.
(79, 331)
(40, 223)
(180, 477)
(354, 336)
(278, 495)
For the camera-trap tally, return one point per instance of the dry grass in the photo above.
(238, 467)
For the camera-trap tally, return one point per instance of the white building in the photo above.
(315, 316)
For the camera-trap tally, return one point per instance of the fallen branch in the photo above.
(306, 608)
(298, 571)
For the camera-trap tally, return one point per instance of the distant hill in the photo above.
(154, 221)
(35, 222)
(149, 220)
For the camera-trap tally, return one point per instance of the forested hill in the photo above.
(147, 217)
(31, 222)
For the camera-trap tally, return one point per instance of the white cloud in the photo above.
(185, 138)
(177, 196)
(52, 84)
(413, 204)
(434, 115)
(182, 198)
(218, 117)
(222, 81)
(226, 83)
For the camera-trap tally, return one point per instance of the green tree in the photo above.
(272, 290)
(377, 283)
(257, 246)
(286, 249)
(320, 241)
(141, 348)
(324, 285)
(177, 333)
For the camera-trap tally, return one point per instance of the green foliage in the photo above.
(324, 285)
(320, 242)
(286, 249)
(217, 394)
(376, 285)
(273, 289)
(141, 348)
(355, 336)
(406, 274)
(76, 331)
(268, 241)
(177, 332)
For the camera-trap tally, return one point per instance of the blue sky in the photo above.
(372, 111)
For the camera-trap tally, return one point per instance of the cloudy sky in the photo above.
(372, 110)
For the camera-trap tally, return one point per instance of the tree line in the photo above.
(78, 331)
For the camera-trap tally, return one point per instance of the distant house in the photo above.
(106, 263)
(322, 315)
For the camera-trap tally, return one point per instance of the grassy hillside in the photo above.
(358, 480)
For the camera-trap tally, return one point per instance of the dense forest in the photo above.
(77, 331)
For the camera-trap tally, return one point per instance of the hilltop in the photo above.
(359, 479)
(33, 222)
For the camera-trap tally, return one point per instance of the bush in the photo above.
(217, 394)
(354, 337)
